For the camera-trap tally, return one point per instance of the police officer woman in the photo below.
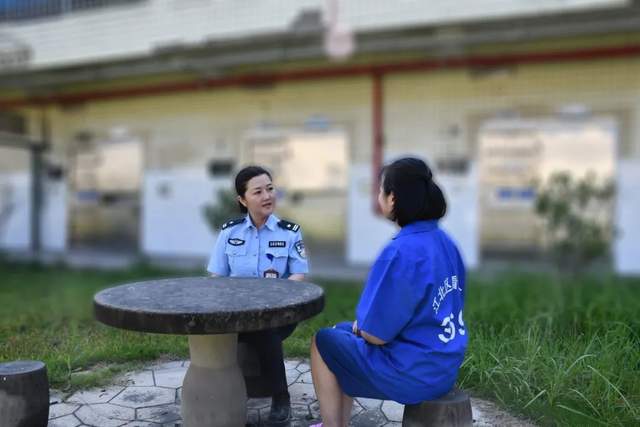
(408, 340)
(260, 244)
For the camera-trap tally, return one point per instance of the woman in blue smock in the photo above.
(259, 244)
(409, 338)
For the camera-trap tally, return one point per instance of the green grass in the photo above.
(560, 351)
(46, 314)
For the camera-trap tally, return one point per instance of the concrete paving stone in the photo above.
(105, 415)
(139, 378)
(95, 395)
(160, 414)
(369, 403)
(305, 378)
(301, 412)
(314, 410)
(298, 412)
(66, 421)
(393, 410)
(303, 367)
(357, 408)
(292, 376)
(393, 424)
(172, 364)
(141, 424)
(55, 396)
(61, 409)
(479, 418)
(140, 397)
(369, 419)
(302, 393)
(172, 377)
(291, 363)
(486, 413)
(260, 403)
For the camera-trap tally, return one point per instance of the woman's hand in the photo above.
(372, 339)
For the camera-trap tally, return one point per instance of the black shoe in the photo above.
(280, 414)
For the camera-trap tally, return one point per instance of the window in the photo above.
(18, 10)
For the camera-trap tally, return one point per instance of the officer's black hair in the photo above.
(244, 176)
(417, 196)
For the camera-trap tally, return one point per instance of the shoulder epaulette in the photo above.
(233, 222)
(291, 226)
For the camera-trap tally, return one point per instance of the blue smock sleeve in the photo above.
(388, 300)
(297, 260)
(219, 262)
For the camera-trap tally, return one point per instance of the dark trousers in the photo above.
(268, 345)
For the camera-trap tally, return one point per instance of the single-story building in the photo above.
(146, 107)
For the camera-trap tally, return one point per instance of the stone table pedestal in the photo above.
(211, 311)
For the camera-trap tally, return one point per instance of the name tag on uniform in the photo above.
(236, 242)
(277, 244)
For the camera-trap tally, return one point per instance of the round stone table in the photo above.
(211, 311)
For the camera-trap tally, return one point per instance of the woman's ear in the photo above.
(241, 201)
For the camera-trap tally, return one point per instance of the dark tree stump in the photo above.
(451, 410)
(24, 394)
(257, 384)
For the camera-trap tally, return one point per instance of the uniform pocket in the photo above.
(231, 250)
(239, 262)
(278, 257)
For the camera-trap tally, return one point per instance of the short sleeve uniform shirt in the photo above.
(413, 299)
(275, 250)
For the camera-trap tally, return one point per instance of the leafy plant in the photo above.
(577, 216)
(224, 208)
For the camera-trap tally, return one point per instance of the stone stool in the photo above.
(257, 384)
(24, 394)
(451, 410)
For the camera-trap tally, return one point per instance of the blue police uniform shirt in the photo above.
(244, 251)
(413, 300)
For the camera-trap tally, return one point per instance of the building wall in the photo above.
(182, 133)
(141, 27)
(434, 115)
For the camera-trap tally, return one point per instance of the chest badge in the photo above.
(235, 242)
(271, 274)
(277, 244)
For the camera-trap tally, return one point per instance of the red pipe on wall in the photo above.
(377, 105)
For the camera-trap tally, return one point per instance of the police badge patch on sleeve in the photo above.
(300, 248)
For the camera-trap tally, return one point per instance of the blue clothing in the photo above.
(244, 251)
(413, 300)
(338, 347)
